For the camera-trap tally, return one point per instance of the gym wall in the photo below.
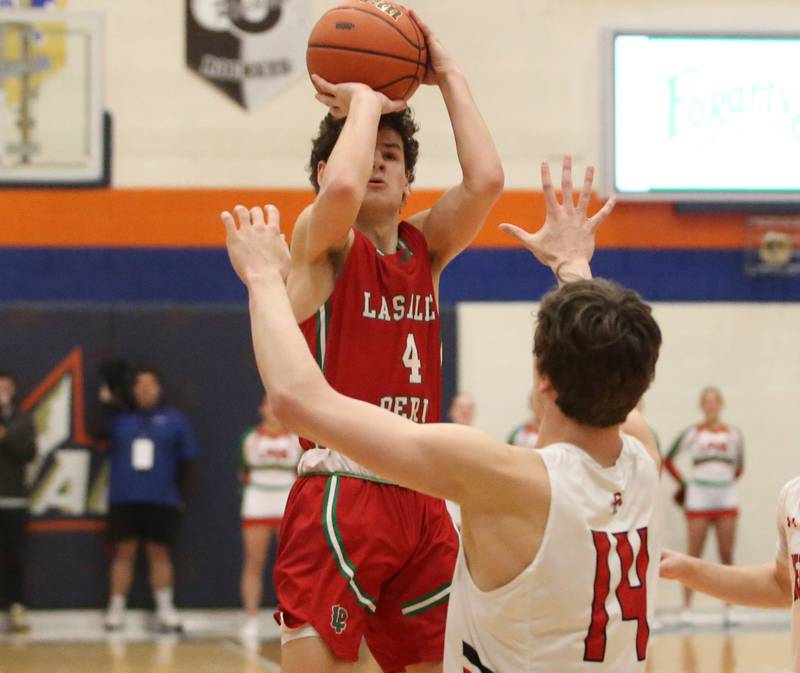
(183, 152)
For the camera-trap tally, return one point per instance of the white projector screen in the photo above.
(704, 118)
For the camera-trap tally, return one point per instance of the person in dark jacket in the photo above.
(17, 448)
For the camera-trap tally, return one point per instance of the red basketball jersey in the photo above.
(377, 337)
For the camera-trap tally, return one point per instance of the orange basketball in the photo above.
(369, 41)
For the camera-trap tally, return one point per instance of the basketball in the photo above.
(369, 41)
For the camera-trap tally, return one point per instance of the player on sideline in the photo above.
(576, 520)
(364, 286)
(775, 584)
(708, 495)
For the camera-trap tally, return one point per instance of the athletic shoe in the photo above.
(249, 631)
(18, 619)
(168, 621)
(729, 617)
(114, 619)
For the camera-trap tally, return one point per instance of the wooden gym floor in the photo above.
(751, 648)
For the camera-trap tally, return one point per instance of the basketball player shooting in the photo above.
(364, 287)
(576, 520)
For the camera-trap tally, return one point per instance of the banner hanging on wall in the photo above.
(248, 49)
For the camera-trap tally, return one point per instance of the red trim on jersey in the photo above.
(249, 523)
(594, 646)
(712, 513)
(705, 427)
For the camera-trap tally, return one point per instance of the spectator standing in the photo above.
(526, 435)
(151, 449)
(462, 411)
(17, 448)
(269, 457)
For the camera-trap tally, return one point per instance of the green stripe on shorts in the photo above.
(334, 539)
(426, 602)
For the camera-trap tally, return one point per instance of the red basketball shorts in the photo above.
(359, 558)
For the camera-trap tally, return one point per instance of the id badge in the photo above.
(142, 453)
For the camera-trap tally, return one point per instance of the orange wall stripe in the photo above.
(190, 218)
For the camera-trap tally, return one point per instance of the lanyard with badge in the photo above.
(143, 450)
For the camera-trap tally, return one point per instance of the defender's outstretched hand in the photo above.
(566, 241)
(256, 247)
(338, 97)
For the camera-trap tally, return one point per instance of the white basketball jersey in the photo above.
(788, 520)
(271, 459)
(525, 435)
(586, 601)
(716, 454)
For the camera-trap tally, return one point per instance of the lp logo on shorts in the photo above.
(338, 619)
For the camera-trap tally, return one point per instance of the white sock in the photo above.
(164, 601)
(117, 603)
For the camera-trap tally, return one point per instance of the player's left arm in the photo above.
(766, 586)
(763, 586)
(458, 215)
(446, 460)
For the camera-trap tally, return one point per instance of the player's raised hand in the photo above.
(568, 235)
(338, 97)
(439, 61)
(255, 245)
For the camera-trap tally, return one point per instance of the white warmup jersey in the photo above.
(586, 601)
(525, 435)
(717, 457)
(271, 463)
(788, 520)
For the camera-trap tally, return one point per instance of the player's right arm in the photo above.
(326, 227)
(764, 586)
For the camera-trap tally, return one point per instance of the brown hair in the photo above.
(330, 128)
(711, 390)
(598, 344)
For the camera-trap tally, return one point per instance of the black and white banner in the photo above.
(248, 49)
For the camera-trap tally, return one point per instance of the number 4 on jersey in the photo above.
(632, 600)
(412, 361)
